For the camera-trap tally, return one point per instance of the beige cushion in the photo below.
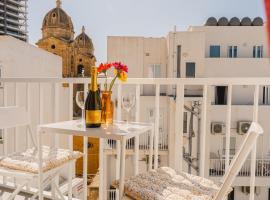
(166, 184)
(28, 160)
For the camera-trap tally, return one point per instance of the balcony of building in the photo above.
(52, 99)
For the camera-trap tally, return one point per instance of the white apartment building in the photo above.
(217, 49)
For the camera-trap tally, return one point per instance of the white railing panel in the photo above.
(262, 168)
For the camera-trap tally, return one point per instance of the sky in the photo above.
(148, 18)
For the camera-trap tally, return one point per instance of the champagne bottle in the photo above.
(93, 103)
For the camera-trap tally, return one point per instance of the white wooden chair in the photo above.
(23, 166)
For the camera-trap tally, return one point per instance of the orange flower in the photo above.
(122, 76)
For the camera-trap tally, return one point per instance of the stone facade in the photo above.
(77, 59)
(58, 38)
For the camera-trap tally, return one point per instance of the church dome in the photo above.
(57, 23)
(83, 41)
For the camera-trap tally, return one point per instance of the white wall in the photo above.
(22, 60)
(239, 113)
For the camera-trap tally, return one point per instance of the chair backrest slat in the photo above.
(253, 133)
(11, 117)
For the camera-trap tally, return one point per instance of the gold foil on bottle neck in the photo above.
(94, 86)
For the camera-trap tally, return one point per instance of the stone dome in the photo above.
(84, 41)
(57, 23)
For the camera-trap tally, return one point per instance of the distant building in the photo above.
(58, 38)
(220, 48)
(13, 18)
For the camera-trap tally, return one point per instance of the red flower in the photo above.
(120, 67)
(104, 67)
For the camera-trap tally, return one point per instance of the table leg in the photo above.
(85, 154)
(101, 170)
(40, 172)
(151, 148)
(122, 168)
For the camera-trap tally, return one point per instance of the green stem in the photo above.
(106, 81)
(112, 83)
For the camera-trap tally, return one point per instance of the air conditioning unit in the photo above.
(242, 127)
(217, 128)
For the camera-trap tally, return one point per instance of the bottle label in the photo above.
(93, 116)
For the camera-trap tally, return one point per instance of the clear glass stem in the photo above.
(83, 118)
(127, 116)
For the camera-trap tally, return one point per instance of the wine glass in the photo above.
(128, 102)
(80, 103)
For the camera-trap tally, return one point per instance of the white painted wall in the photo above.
(22, 60)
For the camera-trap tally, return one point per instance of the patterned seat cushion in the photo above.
(166, 184)
(28, 160)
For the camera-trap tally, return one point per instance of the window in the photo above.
(266, 95)
(232, 51)
(1, 136)
(214, 51)
(257, 51)
(190, 70)
(232, 145)
(221, 95)
(154, 71)
(178, 70)
(53, 46)
(80, 71)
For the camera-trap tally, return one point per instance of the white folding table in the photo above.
(120, 131)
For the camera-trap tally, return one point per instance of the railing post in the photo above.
(156, 138)
(178, 124)
(119, 117)
(254, 150)
(203, 132)
(16, 102)
(228, 126)
(56, 110)
(71, 166)
(137, 139)
(6, 139)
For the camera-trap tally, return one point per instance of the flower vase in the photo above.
(107, 108)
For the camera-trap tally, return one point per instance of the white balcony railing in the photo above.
(47, 101)
(144, 143)
(217, 168)
(111, 195)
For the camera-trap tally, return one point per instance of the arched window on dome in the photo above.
(54, 18)
(80, 71)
